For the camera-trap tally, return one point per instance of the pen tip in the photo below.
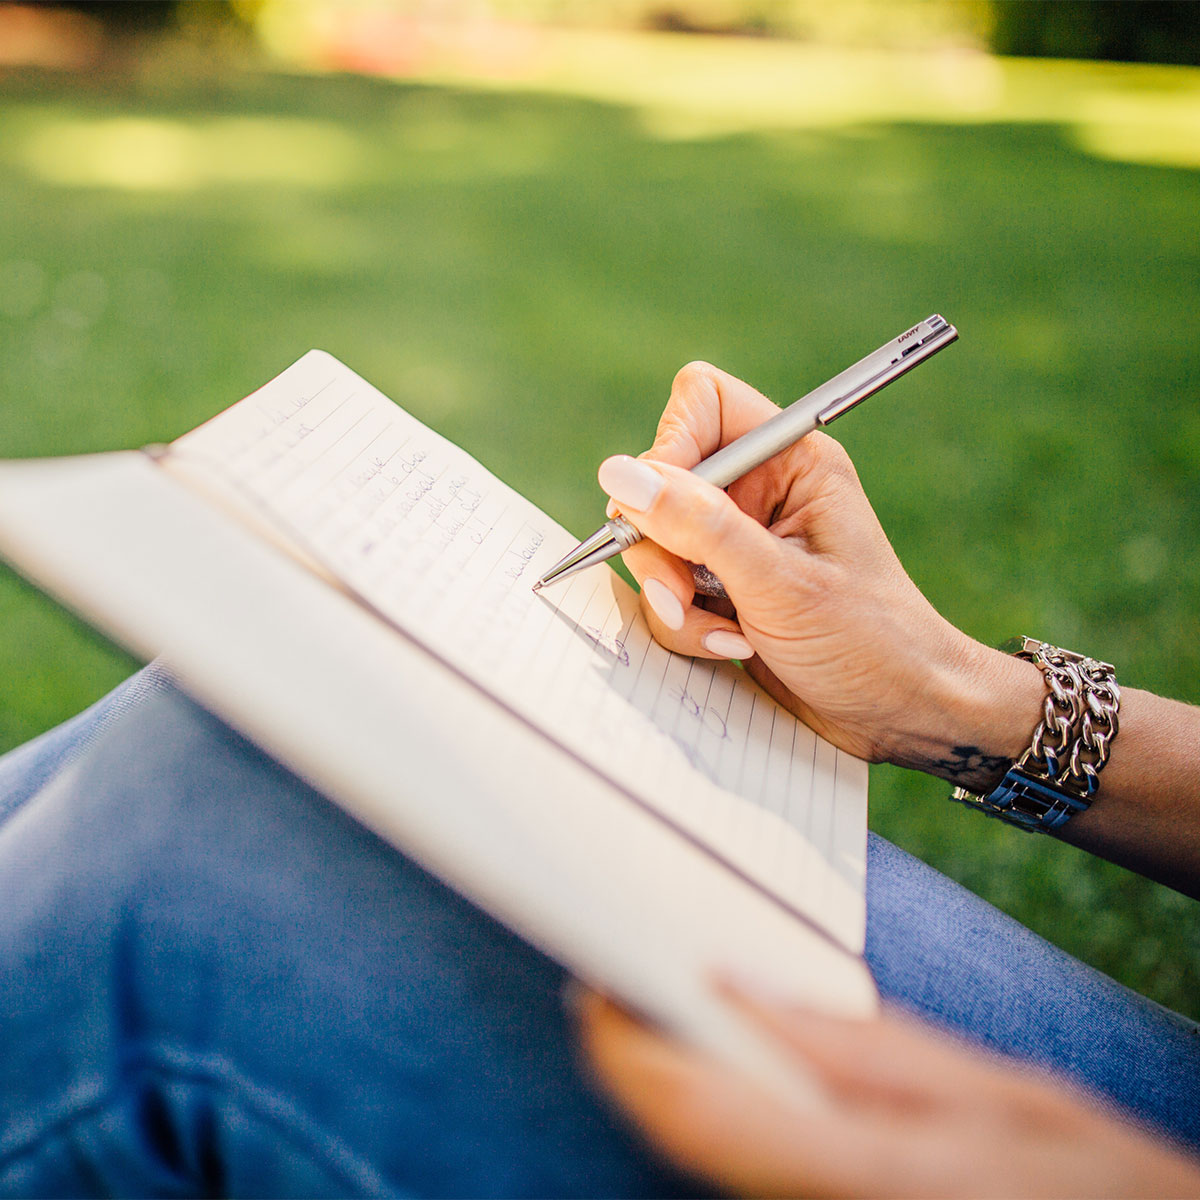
(537, 587)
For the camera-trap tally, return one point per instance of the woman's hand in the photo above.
(905, 1113)
(823, 615)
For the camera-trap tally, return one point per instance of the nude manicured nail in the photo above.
(631, 483)
(664, 602)
(728, 644)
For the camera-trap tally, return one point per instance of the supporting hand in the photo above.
(906, 1112)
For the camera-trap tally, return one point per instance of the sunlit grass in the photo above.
(688, 86)
(677, 88)
(164, 154)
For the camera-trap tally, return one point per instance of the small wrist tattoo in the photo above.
(967, 762)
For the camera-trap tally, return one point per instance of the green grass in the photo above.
(525, 268)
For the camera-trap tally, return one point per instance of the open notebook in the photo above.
(353, 592)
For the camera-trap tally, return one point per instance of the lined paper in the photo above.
(418, 530)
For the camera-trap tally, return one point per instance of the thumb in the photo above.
(692, 519)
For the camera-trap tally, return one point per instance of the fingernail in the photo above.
(631, 483)
(664, 602)
(728, 644)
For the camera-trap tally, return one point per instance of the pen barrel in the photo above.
(827, 402)
(766, 440)
(820, 406)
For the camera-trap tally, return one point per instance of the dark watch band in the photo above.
(1033, 804)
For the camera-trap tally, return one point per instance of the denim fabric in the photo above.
(216, 983)
(24, 770)
(941, 952)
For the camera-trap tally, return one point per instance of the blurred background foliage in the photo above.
(520, 218)
(1161, 31)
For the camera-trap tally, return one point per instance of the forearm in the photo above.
(1146, 814)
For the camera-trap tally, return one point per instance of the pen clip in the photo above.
(939, 334)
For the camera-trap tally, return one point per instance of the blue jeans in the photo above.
(215, 982)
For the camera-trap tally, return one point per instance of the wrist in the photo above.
(981, 708)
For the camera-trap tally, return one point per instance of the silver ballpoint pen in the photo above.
(818, 408)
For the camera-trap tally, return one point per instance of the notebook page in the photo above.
(416, 528)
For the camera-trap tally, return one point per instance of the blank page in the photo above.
(416, 530)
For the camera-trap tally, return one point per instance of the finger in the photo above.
(887, 1059)
(667, 603)
(657, 572)
(707, 1117)
(710, 1119)
(708, 408)
(694, 520)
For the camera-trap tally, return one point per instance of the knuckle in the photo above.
(831, 458)
(672, 437)
(664, 635)
(710, 509)
(822, 468)
(696, 387)
(691, 418)
(695, 372)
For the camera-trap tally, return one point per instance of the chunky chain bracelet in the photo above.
(1059, 774)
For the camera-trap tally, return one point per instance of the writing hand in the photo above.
(906, 1112)
(822, 614)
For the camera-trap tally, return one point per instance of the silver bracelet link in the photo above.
(1098, 725)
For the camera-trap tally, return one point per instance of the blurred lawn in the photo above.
(525, 268)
